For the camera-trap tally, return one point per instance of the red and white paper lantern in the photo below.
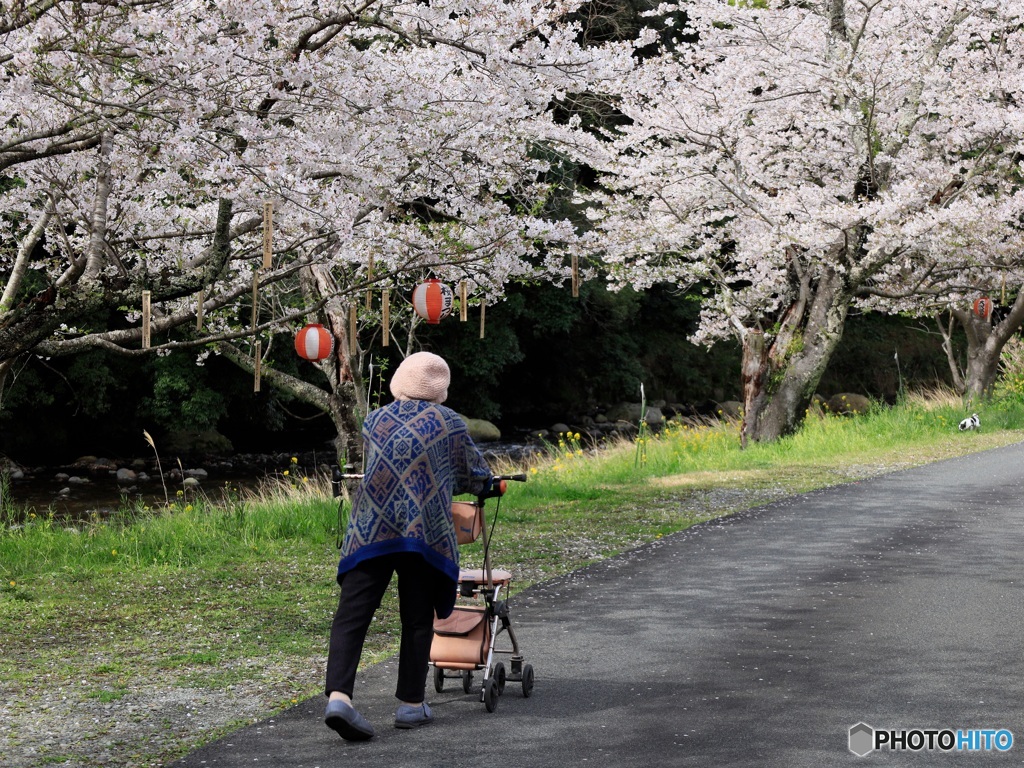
(314, 342)
(432, 300)
(983, 307)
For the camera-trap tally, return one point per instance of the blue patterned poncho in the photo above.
(418, 455)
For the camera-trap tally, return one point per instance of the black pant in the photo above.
(362, 589)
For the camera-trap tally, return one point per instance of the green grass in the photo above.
(239, 596)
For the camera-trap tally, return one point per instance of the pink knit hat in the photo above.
(421, 376)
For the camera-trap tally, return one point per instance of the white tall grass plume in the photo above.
(160, 469)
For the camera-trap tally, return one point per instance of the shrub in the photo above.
(1010, 383)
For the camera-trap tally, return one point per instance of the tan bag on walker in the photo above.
(461, 641)
(468, 518)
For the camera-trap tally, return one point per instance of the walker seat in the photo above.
(478, 577)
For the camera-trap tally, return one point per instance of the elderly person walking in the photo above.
(418, 455)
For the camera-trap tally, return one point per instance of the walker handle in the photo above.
(499, 484)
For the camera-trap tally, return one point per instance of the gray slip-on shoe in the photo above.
(410, 716)
(350, 725)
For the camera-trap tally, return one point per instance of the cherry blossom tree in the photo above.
(978, 286)
(986, 337)
(989, 312)
(790, 159)
(142, 142)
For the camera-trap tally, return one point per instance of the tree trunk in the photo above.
(753, 373)
(342, 368)
(341, 395)
(346, 414)
(797, 358)
(340, 402)
(5, 368)
(946, 331)
(982, 369)
(346, 393)
(985, 342)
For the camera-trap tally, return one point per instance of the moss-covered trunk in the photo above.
(794, 361)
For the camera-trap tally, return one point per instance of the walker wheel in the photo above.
(491, 694)
(527, 680)
(467, 680)
(499, 677)
(438, 679)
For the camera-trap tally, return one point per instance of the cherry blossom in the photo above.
(394, 140)
(792, 160)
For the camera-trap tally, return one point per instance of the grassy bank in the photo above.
(128, 642)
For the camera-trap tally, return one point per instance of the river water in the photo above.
(43, 494)
(47, 490)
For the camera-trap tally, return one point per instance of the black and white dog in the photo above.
(970, 423)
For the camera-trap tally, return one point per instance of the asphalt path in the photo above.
(756, 640)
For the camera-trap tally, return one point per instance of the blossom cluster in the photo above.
(774, 145)
(393, 139)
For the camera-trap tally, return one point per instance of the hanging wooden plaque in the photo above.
(353, 339)
(369, 280)
(255, 299)
(146, 313)
(268, 234)
(258, 355)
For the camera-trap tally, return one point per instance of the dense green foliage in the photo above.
(193, 529)
(546, 357)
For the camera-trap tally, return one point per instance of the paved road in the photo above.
(754, 641)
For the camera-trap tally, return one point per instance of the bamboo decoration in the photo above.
(353, 339)
(200, 299)
(483, 309)
(463, 302)
(575, 276)
(369, 279)
(255, 298)
(385, 322)
(146, 314)
(268, 234)
(258, 354)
